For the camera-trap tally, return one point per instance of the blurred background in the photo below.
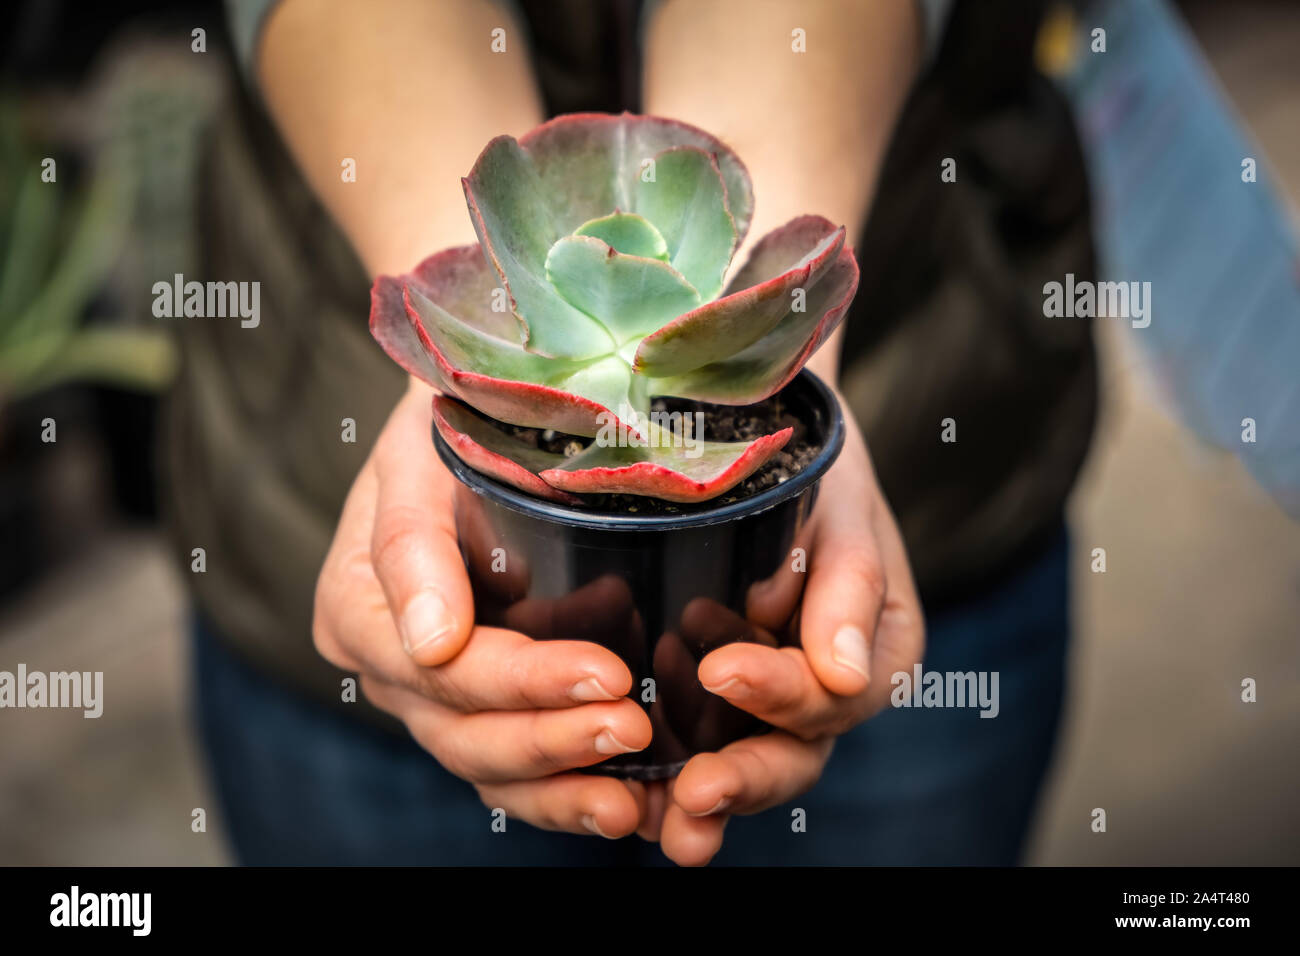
(1202, 587)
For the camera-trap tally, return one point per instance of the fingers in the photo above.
(779, 687)
(413, 545)
(858, 574)
(900, 638)
(505, 670)
(501, 746)
(860, 622)
(347, 583)
(493, 706)
(498, 670)
(785, 688)
(652, 812)
(572, 803)
(843, 598)
(749, 776)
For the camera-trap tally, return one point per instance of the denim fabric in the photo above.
(301, 784)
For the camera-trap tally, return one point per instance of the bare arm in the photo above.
(409, 89)
(812, 127)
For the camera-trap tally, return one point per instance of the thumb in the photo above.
(846, 587)
(842, 605)
(414, 547)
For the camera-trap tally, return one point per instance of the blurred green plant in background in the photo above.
(58, 251)
(79, 255)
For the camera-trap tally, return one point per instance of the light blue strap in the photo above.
(1165, 155)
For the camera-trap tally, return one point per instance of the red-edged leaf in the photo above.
(666, 473)
(515, 221)
(393, 330)
(532, 404)
(769, 364)
(489, 450)
(687, 202)
(794, 256)
(461, 282)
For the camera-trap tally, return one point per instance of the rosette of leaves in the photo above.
(598, 285)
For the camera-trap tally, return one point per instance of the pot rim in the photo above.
(577, 517)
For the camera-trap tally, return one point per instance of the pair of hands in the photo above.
(513, 716)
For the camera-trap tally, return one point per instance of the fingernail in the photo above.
(425, 620)
(733, 687)
(590, 823)
(588, 690)
(849, 649)
(718, 807)
(607, 743)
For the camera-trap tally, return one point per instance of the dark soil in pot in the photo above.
(660, 584)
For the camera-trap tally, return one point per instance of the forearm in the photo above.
(408, 89)
(811, 127)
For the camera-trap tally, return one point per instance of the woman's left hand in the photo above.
(860, 623)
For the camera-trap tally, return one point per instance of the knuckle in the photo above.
(322, 634)
(326, 642)
(865, 569)
(808, 732)
(449, 757)
(839, 722)
(758, 774)
(374, 692)
(322, 631)
(542, 750)
(397, 536)
(516, 679)
(432, 683)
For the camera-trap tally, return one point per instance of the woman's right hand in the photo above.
(496, 708)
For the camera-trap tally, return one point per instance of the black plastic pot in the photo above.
(661, 591)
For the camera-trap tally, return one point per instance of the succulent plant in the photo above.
(596, 286)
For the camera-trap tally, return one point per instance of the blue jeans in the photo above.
(302, 784)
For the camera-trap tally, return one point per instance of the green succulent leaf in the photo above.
(465, 347)
(397, 335)
(786, 262)
(628, 233)
(512, 216)
(630, 295)
(483, 446)
(593, 160)
(687, 202)
(463, 284)
(522, 388)
(766, 366)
